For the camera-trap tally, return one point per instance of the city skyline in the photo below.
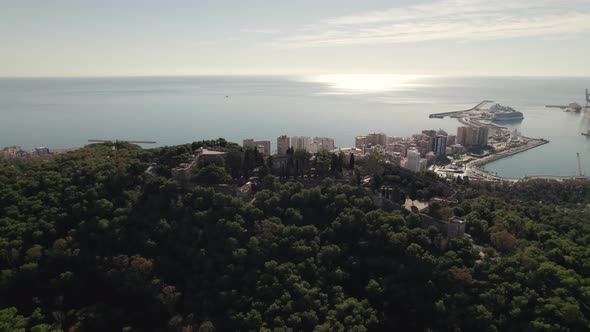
(436, 37)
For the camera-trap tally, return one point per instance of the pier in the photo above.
(456, 113)
(573, 105)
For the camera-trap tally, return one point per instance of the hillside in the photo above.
(104, 239)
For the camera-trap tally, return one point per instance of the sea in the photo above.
(67, 112)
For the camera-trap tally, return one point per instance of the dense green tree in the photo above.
(91, 241)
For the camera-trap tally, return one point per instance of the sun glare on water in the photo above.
(369, 83)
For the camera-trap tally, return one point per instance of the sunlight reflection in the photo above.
(370, 83)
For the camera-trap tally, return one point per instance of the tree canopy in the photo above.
(91, 241)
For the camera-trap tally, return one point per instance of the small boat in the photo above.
(587, 133)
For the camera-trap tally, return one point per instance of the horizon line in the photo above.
(289, 75)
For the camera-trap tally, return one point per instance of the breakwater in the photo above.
(476, 170)
(531, 144)
(456, 113)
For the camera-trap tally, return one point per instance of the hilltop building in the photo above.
(201, 157)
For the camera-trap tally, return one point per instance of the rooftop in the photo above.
(210, 152)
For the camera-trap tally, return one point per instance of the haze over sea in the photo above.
(66, 112)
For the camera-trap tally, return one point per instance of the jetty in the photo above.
(572, 106)
(458, 113)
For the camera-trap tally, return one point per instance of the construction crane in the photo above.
(579, 165)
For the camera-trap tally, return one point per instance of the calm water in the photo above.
(67, 112)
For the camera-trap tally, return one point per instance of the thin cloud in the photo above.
(262, 31)
(460, 20)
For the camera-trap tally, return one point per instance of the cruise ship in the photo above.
(505, 113)
(508, 116)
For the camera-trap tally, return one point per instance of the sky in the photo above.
(64, 38)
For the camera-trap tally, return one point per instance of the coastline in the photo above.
(474, 169)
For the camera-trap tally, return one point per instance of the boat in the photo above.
(508, 116)
(587, 133)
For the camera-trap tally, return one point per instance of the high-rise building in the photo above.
(471, 137)
(429, 133)
(360, 142)
(248, 143)
(468, 136)
(439, 145)
(451, 140)
(322, 144)
(377, 139)
(422, 164)
(401, 148)
(482, 135)
(283, 144)
(413, 161)
(461, 133)
(370, 140)
(423, 146)
(301, 143)
(262, 146)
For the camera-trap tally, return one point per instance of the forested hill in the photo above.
(93, 241)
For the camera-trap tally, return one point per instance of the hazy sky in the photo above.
(173, 37)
